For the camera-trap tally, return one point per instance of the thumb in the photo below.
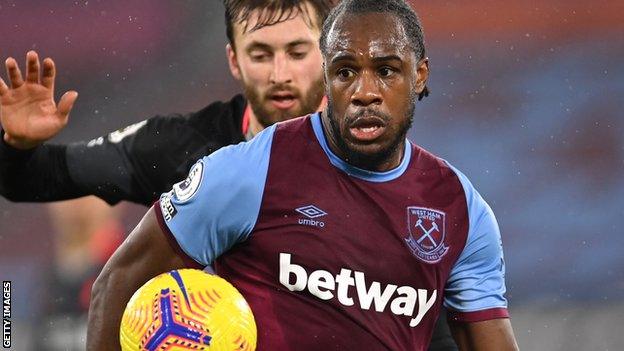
(67, 102)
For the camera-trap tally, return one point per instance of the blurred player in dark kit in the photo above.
(313, 231)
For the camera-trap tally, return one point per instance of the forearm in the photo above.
(110, 293)
(52, 172)
(36, 175)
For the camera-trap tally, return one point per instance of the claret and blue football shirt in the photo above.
(333, 257)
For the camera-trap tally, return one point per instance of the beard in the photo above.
(268, 115)
(370, 161)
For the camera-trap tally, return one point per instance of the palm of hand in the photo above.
(29, 113)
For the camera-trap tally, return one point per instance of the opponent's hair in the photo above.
(398, 8)
(273, 12)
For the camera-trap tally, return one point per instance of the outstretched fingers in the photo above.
(32, 67)
(13, 71)
(65, 105)
(49, 73)
(3, 87)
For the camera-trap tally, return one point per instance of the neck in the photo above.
(256, 127)
(388, 163)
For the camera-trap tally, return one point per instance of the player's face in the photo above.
(280, 67)
(373, 79)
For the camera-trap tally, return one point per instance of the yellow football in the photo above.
(187, 309)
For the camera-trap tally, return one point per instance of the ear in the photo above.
(422, 74)
(233, 62)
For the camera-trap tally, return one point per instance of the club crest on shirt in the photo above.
(426, 229)
(185, 189)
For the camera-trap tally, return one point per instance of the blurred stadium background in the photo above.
(527, 100)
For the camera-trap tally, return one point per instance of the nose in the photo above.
(281, 73)
(366, 91)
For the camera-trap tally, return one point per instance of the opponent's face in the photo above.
(280, 67)
(373, 79)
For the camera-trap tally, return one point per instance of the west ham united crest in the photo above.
(426, 233)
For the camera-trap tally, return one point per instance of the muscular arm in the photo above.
(146, 253)
(491, 335)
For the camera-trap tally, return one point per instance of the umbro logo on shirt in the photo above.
(311, 212)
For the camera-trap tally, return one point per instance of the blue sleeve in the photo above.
(477, 281)
(217, 205)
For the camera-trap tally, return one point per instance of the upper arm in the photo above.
(490, 335)
(474, 294)
(476, 286)
(218, 204)
(145, 253)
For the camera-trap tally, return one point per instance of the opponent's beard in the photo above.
(268, 115)
(368, 161)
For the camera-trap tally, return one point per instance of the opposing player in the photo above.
(277, 61)
(340, 233)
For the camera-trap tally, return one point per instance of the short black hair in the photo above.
(399, 8)
(274, 12)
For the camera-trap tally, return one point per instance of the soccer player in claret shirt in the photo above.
(278, 62)
(339, 232)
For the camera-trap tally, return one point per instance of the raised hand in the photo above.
(28, 112)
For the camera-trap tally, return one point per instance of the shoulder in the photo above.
(295, 125)
(423, 159)
(294, 130)
(475, 203)
(219, 119)
(224, 118)
(244, 154)
(232, 172)
(437, 167)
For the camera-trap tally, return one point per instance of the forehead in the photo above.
(367, 33)
(297, 26)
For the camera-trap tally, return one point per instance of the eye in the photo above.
(386, 72)
(345, 73)
(259, 56)
(298, 55)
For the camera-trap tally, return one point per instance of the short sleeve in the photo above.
(476, 286)
(217, 205)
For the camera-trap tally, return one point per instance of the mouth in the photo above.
(283, 100)
(367, 128)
